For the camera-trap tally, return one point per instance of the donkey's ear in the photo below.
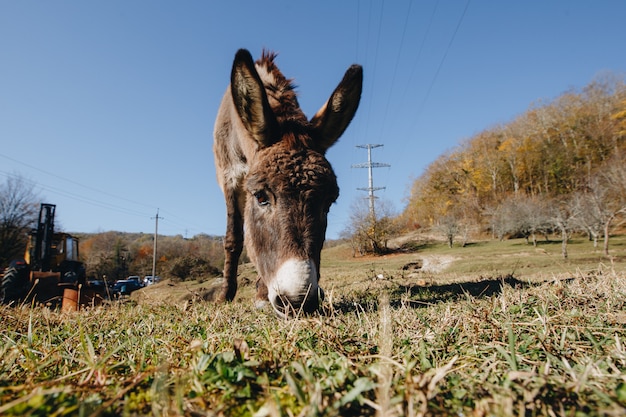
(335, 115)
(251, 101)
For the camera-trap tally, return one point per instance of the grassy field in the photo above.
(491, 329)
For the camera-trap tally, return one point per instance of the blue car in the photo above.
(125, 287)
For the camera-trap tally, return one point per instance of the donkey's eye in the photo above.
(262, 198)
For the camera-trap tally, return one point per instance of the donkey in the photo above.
(271, 167)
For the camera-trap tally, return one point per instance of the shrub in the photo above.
(192, 267)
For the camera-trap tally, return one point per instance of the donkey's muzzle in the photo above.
(288, 308)
(294, 289)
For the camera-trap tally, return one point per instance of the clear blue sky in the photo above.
(108, 106)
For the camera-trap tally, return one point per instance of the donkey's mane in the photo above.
(280, 91)
(278, 81)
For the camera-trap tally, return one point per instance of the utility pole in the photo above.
(154, 251)
(369, 165)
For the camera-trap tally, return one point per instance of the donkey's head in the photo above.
(290, 185)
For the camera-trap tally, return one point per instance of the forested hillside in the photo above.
(117, 255)
(560, 161)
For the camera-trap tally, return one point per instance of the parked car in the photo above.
(97, 284)
(135, 278)
(149, 280)
(125, 287)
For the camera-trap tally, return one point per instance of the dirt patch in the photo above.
(428, 264)
(436, 263)
(413, 266)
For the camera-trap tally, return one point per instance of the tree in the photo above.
(106, 254)
(564, 214)
(497, 221)
(553, 150)
(520, 216)
(367, 234)
(192, 267)
(590, 214)
(449, 226)
(607, 197)
(532, 218)
(19, 208)
(620, 117)
(487, 164)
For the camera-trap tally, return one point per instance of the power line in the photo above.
(373, 76)
(443, 59)
(94, 202)
(397, 64)
(421, 48)
(87, 187)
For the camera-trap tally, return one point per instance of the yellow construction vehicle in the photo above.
(51, 271)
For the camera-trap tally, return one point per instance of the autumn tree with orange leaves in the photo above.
(552, 152)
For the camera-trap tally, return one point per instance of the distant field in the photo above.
(494, 328)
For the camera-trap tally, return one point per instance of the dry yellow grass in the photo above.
(390, 341)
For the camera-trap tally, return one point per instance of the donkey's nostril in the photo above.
(311, 303)
(280, 303)
(294, 306)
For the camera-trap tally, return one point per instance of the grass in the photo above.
(497, 331)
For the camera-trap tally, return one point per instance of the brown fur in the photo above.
(271, 167)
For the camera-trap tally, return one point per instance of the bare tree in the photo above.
(533, 218)
(564, 214)
(520, 216)
(590, 214)
(607, 194)
(449, 226)
(18, 214)
(367, 234)
(497, 221)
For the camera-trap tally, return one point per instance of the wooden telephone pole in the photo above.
(154, 250)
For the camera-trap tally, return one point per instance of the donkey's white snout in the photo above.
(295, 287)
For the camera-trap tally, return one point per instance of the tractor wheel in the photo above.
(13, 287)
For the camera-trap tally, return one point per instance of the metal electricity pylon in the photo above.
(369, 165)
